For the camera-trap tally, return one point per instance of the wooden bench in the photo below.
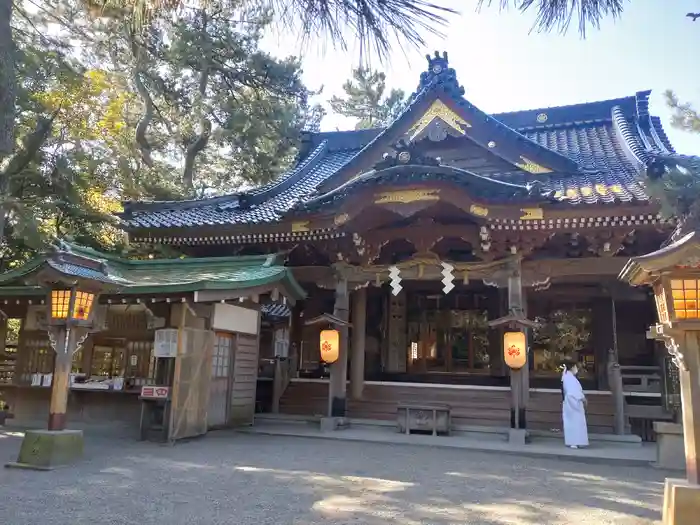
(434, 418)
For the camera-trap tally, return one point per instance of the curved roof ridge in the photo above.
(278, 185)
(372, 174)
(441, 79)
(645, 124)
(233, 200)
(628, 138)
(660, 134)
(618, 101)
(184, 204)
(658, 143)
(642, 104)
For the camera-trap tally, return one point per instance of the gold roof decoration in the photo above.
(438, 109)
(531, 166)
(407, 196)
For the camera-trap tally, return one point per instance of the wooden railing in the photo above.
(645, 379)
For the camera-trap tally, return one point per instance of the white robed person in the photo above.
(573, 408)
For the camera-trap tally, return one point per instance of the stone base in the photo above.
(669, 445)
(517, 436)
(681, 502)
(329, 424)
(46, 449)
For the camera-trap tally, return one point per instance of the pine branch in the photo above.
(559, 14)
(375, 24)
(199, 142)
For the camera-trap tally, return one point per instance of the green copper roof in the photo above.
(159, 275)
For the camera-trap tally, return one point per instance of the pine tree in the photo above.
(364, 99)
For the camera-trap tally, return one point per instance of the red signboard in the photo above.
(155, 392)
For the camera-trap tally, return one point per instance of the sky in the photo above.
(505, 67)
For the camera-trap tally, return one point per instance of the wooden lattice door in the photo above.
(220, 385)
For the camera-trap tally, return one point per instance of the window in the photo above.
(8, 352)
(107, 361)
(281, 339)
(221, 358)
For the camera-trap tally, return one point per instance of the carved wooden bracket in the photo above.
(669, 336)
(607, 243)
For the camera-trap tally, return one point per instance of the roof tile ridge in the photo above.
(292, 176)
(373, 173)
(659, 134)
(527, 140)
(629, 140)
(616, 101)
(151, 206)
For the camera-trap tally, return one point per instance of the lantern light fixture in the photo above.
(329, 345)
(515, 349)
(71, 305)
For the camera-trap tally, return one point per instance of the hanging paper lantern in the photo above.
(515, 349)
(329, 345)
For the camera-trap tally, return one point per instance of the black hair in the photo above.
(568, 365)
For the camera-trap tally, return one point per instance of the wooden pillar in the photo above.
(690, 395)
(3, 333)
(339, 369)
(296, 335)
(616, 388)
(60, 382)
(603, 338)
(519, 379)
(359, 320)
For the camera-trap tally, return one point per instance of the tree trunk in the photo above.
(7, 102)
(7, 80)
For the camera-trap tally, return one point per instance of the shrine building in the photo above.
(416, 235)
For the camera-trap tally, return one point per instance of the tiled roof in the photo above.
(608, 143)
(162, 275)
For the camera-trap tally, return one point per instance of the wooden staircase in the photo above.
(469, 407)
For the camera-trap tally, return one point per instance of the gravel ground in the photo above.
(243, 479)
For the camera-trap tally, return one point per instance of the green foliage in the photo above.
(365, 101)
(84, 160)
(373, 24)
(227, 112)
(685, 116)
(120, 112)
(678, 190)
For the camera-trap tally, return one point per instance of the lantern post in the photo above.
(673, 272)
(70, 313)
(515, 356)
(330, 353)
(73, 284)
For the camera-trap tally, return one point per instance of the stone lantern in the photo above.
(73, 284)
(674, 274)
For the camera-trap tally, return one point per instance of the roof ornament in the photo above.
(59, 245)
(439, 72)
(405, 153)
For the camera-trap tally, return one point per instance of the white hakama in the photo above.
(574, 412)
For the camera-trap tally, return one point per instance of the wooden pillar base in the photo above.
(57, 421)
(338, 407)
(519, 422)
(681, 502)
